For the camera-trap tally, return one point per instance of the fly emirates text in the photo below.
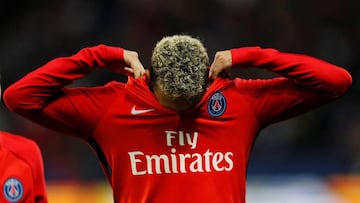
(173, 162)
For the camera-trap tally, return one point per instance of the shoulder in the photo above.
(108, 88)
(260, 84)
(113, 86)
(22, 147)
(14, 142)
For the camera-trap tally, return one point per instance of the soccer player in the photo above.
(22, 177)
(184, 132)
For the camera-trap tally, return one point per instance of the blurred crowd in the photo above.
(324, 142)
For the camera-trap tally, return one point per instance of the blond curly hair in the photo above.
(180, 67)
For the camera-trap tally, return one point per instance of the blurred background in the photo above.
(311, 158)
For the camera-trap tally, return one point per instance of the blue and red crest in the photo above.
(13, 190)
(217, 104)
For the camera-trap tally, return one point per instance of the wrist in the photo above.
(245, 55)
(110, 53)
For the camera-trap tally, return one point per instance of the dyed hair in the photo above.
(180, 67)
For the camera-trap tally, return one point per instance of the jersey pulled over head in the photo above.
(179, 71)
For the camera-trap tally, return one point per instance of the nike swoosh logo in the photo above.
(135, 111)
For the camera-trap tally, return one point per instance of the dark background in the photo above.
(323, 142)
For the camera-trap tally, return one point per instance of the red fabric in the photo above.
(20, 158)
(166, 156)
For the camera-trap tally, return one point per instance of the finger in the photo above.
(129, 71)
(147, 73)
(139, 69)
(133, 72)
(214, 71)
(214, 75)
(136, 73)
(211, 73)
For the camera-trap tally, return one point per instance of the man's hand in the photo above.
(134, 66)
(221, 62)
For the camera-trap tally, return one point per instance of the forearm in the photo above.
(307, 71)
(39, 87)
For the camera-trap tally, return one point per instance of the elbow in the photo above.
(12, 100)
(9, 98)
(19, 99)
(342, 84)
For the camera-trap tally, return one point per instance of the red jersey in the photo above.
(151, 153)
(21, 170)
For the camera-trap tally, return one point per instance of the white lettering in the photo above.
(196, 165)
(192, 141)
(175, 162)
(182, 138)
(183, 158)
(157, 160)
(133, 162)
(169, 137)
(207, 160)
(180, 163)
(217, 159)
(228, 159)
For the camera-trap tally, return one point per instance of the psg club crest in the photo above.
(217, 104)
(13, 190)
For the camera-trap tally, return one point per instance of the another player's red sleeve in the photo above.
(28, 151)
(305, 83)
(35, 159)
(42, 97)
